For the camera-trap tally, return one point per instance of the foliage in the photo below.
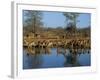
(32, 19)
(71, 17)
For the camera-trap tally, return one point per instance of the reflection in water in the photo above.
(55, 57)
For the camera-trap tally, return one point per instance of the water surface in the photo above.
(55, 58)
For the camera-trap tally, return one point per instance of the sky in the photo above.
(53, 19)
(56, 19)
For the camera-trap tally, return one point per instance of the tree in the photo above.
(70, 27)
(71, 17)
(33, 19)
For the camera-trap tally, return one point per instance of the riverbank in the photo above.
(76, 43)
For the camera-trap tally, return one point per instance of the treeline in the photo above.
(61, 32)
(32, 23)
